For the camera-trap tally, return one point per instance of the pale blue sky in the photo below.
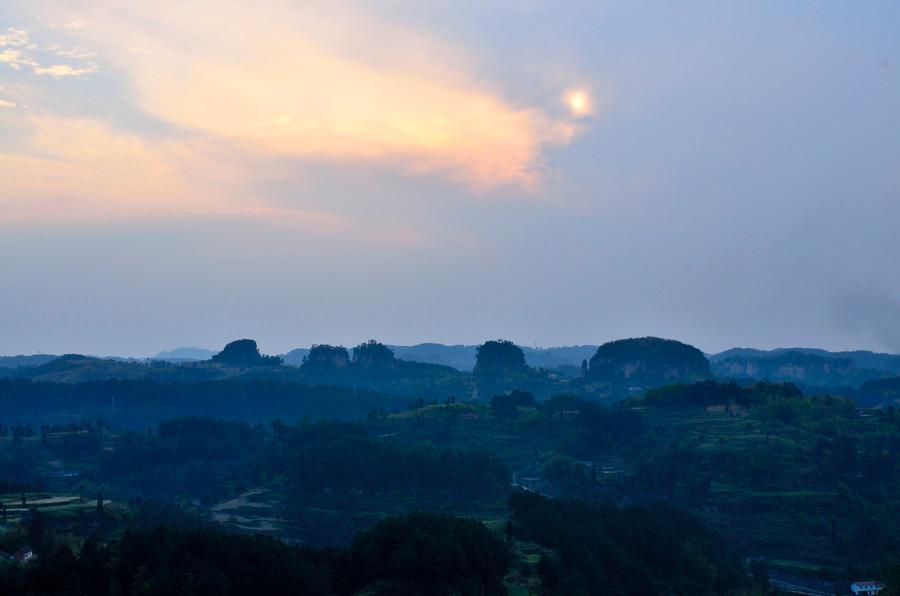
(332, 172)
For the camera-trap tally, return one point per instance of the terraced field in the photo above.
(59, 506)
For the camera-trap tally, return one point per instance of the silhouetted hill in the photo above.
(244, 353)
(462, 357)
(374, 366)
(647, 362)
(75, 367)
(185, 354)
(459, 357)
(295, 357)
(22, 360)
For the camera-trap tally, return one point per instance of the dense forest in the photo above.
(643, 472)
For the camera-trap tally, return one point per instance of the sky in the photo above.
(554, 173)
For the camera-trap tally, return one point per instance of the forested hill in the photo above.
(647, 362)
(143, 403)
(612, 371)
(462, 357)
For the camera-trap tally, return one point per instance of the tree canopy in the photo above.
(244, 352)
(326, 357)
(372, 354)
(647, 362)
(499, 357)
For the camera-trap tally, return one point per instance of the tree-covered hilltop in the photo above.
(373, 365)
(647, 362)
(244, 352)
(500, 367)
(325, 358)
(500, 357)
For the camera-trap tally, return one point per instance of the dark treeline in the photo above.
(211, 459)
(345, 457)
(143, 403)
(638, 549)
(416, 554)
(587, 549)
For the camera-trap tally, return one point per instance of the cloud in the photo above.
(14, 59)
(17, 58)
(65, 70)
(315, 85)
(5, 103)
(73, 53)
(83, 169)
(14, 37)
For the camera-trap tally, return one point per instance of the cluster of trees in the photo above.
(202, 457)
(638, 549)
(500, 357)
(416, 554)
(211, 459)
(593, 427)
(506, 405)
(342, 457)
(712, 393)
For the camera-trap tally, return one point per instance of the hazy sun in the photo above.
(578, 102)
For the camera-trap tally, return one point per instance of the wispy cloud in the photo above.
(19, 51)
(14, 37)
(316, 85)
(82, 168)
(14, 59)
(250, 94)
(65, 70)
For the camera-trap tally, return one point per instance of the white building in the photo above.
(867, 588)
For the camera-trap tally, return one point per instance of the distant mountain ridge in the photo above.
(185, 354)
(22, 360)
(860, 358)
(807, 367)
(436, 370)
